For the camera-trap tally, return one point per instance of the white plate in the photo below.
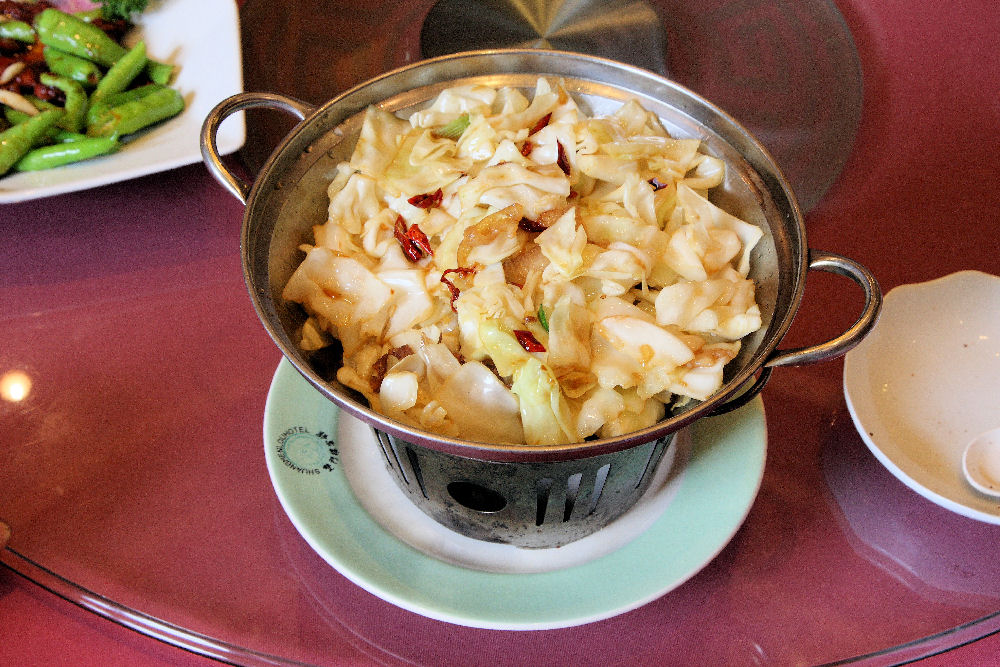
(717, 488)
(201, 37)
(926, 381)
(372, 483)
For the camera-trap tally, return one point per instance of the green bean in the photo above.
(158, 72)
(19, 31)
(101, 108)
(89, 15)
(79, 69)
(121, 74)
(18, 140)
(68, 33)
(14, 116)
(54, 134)
(71, 34)
(40, 104)
(65, 136)
(138, 114)
(66, 153)
(76, 100)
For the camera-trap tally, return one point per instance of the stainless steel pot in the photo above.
(289, 196)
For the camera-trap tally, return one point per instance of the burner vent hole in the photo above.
(477, 498)
(415, 466)
(542, 490)
(572, 490)
(391, 454)
(600, 479)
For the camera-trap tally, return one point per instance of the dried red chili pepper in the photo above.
(420, 240)
(410, 248)
(427, 199)
(464, 271)
(526, 149)
(561, 159)
(412, 240)
(542, 122)
(528, 341)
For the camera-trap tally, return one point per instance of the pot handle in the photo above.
(828, 261)
(239, 187)
(821, 261)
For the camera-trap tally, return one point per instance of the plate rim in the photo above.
(738, 434)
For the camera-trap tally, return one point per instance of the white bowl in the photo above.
(926, 381)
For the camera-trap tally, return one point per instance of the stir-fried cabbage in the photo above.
(502, 268)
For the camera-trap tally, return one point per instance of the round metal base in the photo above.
(625, 30)
(787, 70)
(526, 504)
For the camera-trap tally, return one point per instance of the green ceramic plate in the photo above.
(718, 487)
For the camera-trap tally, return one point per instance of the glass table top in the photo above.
(133, 476)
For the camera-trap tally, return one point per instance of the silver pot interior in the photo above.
(289, 196)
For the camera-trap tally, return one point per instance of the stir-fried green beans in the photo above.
(18, 31)
(16, 141)
(133, 116)
(76, 100)
(98, 101)
(100, 109)
(75, 36)
(121, 74)
(66, 152)
(81, 70)
(69, 34)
